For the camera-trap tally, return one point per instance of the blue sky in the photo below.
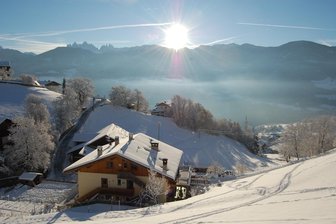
(40, 25)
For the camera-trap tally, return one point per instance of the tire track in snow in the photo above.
(283, 184)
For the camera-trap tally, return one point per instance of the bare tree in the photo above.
(155, 188)
(308, 137)
(189, 114)
(82, 87)
(291, 140)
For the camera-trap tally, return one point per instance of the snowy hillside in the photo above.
(12, 97)
(304, 192)
(199, 149)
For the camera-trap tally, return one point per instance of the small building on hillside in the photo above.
(162, 109)
(5, 70)
(118, 171)
(30, 178)
(52, 85)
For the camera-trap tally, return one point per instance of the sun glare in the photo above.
(176, 37)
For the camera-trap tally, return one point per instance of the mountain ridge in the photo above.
(269, 84)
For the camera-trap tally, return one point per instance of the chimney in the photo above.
(130, 136)
(165, 163)
(99, 151)
(116, 140)
(155, 146)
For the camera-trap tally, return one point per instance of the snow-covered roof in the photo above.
(112, 131)
(138, 150)
(30, 176)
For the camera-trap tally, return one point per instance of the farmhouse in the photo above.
(52, 85)
(119, 169)
(162, 109)
(5, 70)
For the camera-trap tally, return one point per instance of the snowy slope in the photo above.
(199, 149)
(12, 97)
(304, 192)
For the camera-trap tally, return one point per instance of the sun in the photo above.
(176, 37)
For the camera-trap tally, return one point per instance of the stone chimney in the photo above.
(116, 140)
(155, 146)
(130, 136)
(99, 151)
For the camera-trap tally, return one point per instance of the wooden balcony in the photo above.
(112, 191)
(117, 191)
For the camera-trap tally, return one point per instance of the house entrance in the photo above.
(104, 183)
(129, 184)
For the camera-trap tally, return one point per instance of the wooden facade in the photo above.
(115, 177)
(114, 165)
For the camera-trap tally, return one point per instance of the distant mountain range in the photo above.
(300, 60)
(283, 75)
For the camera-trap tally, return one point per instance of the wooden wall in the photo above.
(115, 165)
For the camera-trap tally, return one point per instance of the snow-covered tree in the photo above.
(121, 96)
(155, 188)
(36, 109)
(28, 79)
(124, 97)
(141, 104)
(31, 146)
(292, 140)
(189, 114)
(67, 109)
(82, 87)
(325, 128)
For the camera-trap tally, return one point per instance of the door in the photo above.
(104, 183)
(129, 184)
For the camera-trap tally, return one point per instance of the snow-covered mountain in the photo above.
(303, 192)
(12, 98)
(199, 149)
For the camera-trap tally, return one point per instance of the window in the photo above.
(119, 182)
(125, 165)
(134, 167)
(109, 165)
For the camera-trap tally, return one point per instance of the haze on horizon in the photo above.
(38, 26)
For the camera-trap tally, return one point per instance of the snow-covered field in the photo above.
(199, 149)
(304, 192)
(12, 97)
(24, 200)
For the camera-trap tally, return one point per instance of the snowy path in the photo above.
(304, 192)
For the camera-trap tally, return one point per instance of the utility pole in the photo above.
(159, 126)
